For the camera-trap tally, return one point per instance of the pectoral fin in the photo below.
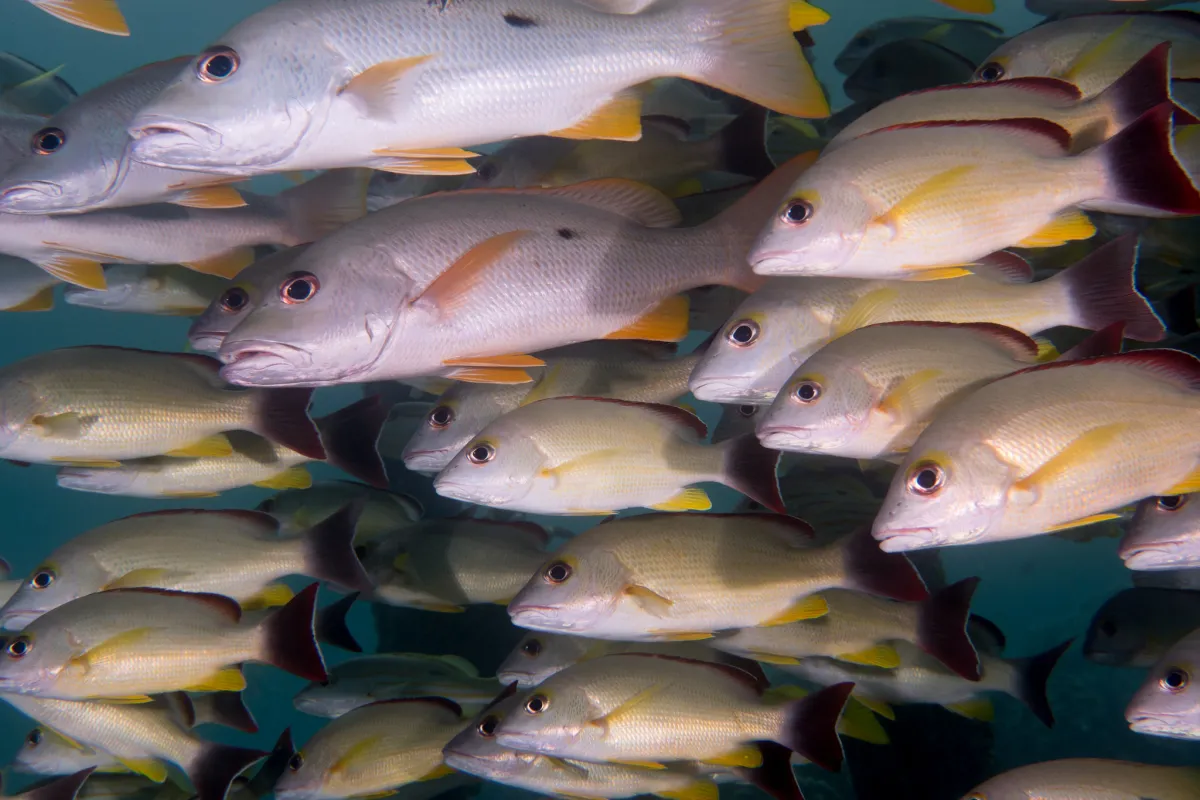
(494, 375)
(95, 463)
(771, 658)
(114, 648)
(881, 655)
(858, 722)
(69, 425)
(597, 459)
(137, 578)
(649, 601)
(910, 393)
(866, 310)
(225, 265)
(679, 636)
(452, 289)
(151, 768)
(426, 166)
(43, 300)
(748, 756)
(809, 607)
(1069, 226)
(626, 708)
(930, 188)
(700, 790)
(620, 119)
(380, 85)
(878, 706)
(1188, 485)
(1079, 523)
(216, 446)
(440, 771)
(218, 196)
(273, 595)
(1089, 446)
(980, 709)
(355, 753)
(507, 362)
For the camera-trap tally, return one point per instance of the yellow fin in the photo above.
(490, 375)
(582, 463)
(937, 274)
(747, 756)
(691, 499)
(679, 636)
(1069, 226)
(1046, 351)
(428, 166)
(96, 15)
(785, 693)
(79, 270)
(642, 764)
(971, 6)
(229, 679)
(544, 385)
(980, 709)
(216, 446)
(1079, 523)
(291, 478)
(801, 15)
(620, 118)
(700, 790)
(908, 393)
(1087, 447)
(441, 608)
(128, 700)
(771, 658)
(858, 722)
(272, 595)
(110, 648)
(878, 706)
(809, 607)
(68, 425)
(440, 771)
(649, 600)
(451, 290)
(43, 300)
(866, 310)
(1097, 53)
(925, 191)
(217, 196)
(693, 186)
(626, 708)
(148, 576)
(881, 655)
(666, 322)
(226, 265)
(183, 495)
(400, 562)
(355, 752)
(96, 463)
(1188, 485)
(151, 768)
(429, 152)
(378, 85)
(507, 362)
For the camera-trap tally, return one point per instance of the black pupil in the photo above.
(1170, 503)
(532, 648)
(35, 737)
(18, 648)
(441, 415)
(1176, 679)
(747, 411)
(798, 212)
(300, 289)
(235, 299)
(559, 572)
(927, 478)
(991, 72)
(296, 762)
(743, 333)
(51, 140)
(806, 391)
(481, 454)
(219, 66)
(535, 704)
(1109, 628)
(487, 171)
(41, 580)
(488, 726)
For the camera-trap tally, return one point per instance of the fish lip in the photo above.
(1156, 556)
(773, 436)
(155, 135)
(779, 262)
(250, 358)
(722, 389)
(12, 197)
(528, 742)
(208, 341)
(1160, 724)
(893, 540)
(467, 493)
(424, 460)
(20, 616)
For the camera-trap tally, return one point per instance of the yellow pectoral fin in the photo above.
(936, 274)
(911, 393)
(379, 85)
(1069, 226)
(809, 607)
(980, 709)
(642, 764)
(929, 189)
(115, 647)
(1097, 53)
(1089, 446)
(620, 119)
(880, 655)
(648, 600)
(427, 166)
(878, 706)
(579, 467)
(360, 750)
(128, 700)
(440, 771)
(291, 478)
(230, 679)
(626, 708)
(441, 608)
(431, 152)
(801, 15)
(971, 6)
(1079, 523)
(216, 446)
(700, 790)
(148, 576)
(210, 197)
(69, 425)
(689, 187)
(509, 362)
(271, 596)
(666, 322)
(86, 462)
(866, 310)
(1188, 485)
(692, 499)
(43, 300)
(225, 265)
(858, 722)
(151, 768)
(452, 289)
(1046, 351)
(748, 756)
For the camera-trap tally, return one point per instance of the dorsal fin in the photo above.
(258, 518)
(224, 605)
(1049, 88)
(1050, 131)
(1173, 366)
(737, 674)
(1021, 346)
(443, 702)
(673, 414)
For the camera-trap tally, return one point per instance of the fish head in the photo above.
(940, 497)
(475, 750)
(305, 776)
(825, 406)
(539, 655)
(324, 320)
(326, 700)
(98, 481)
(459, 415)
(238, 299)
(817, 228)
(34, 660)
(496, 468)
(44, 752)
(71, 165)
(1163, 533)
(549, 717)
(18, 407)
(737, 420)
(571, 592)
(122, 284)
(1168, 703)
(49, 586)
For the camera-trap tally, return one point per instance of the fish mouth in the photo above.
(529, 742)
(432, 461)
(18, 619)
(466, 493)
(258, 362)
(786, 437)
(1160, 555)
(1162, 725)
(535, 618)
(29, 198)
(206, 341)
(86, 479)
(730, 390)
(473, 763)
(165, 142)
(779, 262)
(899, 540)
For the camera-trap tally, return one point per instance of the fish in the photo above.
(780, 326)
(1163, 534)
(1099, 448)
(636, 371)
(1167, 704)
(586, 455)
(395, 676)
(1070, 8)
(859, 628)
(24, 286)
(383, 511)
(1093, 50)
(388, 188)
(227, 709)
(29, 88)
(1135, 627)
(1089, 121)
(449, 283)
(374, 748)
(130, 643)
(15, 132)
(107, 786)
(735, 421)
(921, 678)
(904, 66)
(232, 305)
(347, 437)
(144, 738)
(1084, 776)
(44, 752)
(870, 393)
(78, 159)
(541, 654)
(973, 39)
(95, 15)
(880, 207)
(644, 709)
(234, 553)
(1187, 579)
(161, 289)
(62, 788)
(102, 404)
(672, 577)
(448, 564)
(406, 102)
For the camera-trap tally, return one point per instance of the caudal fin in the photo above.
(351, 436)
(216, 766)
(869, 569)
(263, 782)
(320, 206)
(810, 726)
(1101, 290)
(1032, 675)
(329, 550)
(63, 788)
(748, 49)
(750, 468)
(1143, 176)
(775, 776)
(942, 628)
(1143, 86)
(331, 625)
(224, 708)
(281, 415)
(744, 144)
(289, 640)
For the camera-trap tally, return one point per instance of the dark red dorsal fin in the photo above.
(1021, 346)
(674, 414)
(729, 670)
(224, 605)
(1173, 366)
(1040, 127)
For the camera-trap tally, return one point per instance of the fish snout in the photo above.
(30, 197)
(785, 437)
(899, 540)
(253, 362)
(166, 142)
(1156, 556)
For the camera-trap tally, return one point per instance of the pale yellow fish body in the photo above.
(373, 749)
(1096, 778)
(382, 511)
(540, 654)
(45, 752)
(166, 290)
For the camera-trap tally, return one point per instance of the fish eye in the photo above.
(1175, 680)
(234, 299)
(1172, 502)
(48, 140)
(1108, 628)
(487, 726)
(532, 648)
(42, 578)
(747, 410)
(926, 478)
(537, 704)
(296, 762)
(34, 738)
(743, 333)
(990, 72)
(299, 288)
(19, 647)
(217, 64)
(488, 171)
(481, 453)
(441, 416)
(862, 40)
(806, 392)
(558, 572)
(797, 212)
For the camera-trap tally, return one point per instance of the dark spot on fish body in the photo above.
(567, 233)
(519, 21)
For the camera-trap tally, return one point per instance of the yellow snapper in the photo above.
(922, 200)
(24, 286)
(383, 511)
(1163, 534)
(1093, 50)
(1091, 777)
(868, 394)
(669, 576)
(97, 15)
(373, 749)
(102, 404)
(144, 738)
(1048, 448)
(238, 554)
(129, 643)
(141, 289)
(44, 752)
(584, 455)
(1168, 703)
(781, 325)
(65, 787)
(858, 628)
(1136, 626)
(540, 654)
(642, 709)
(403, 99)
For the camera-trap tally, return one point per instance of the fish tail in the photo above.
(775, 776)
(942, 628)
(289, 640)
(320, 206)
(62, 788)
(1102, 291)
(1105, 342)
(869, 569)
(1143, 87)
(752, 53)
(750, 469)
(329, 550)
(1142, 174)
(229, 709)
(744, 144)
(331, 625)
(216, 766)
(810, 726)
(1032, 675)
(281, 415)
(350, 437)
(273, 768)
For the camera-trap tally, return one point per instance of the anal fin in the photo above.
(43, 300)
(1069, 226)
(690, 499)
(881, 655)
(216, 446)
(666, 322)
(215, 196)
(225, 265)
(809, 607)
(620, 119)
(291, 478)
